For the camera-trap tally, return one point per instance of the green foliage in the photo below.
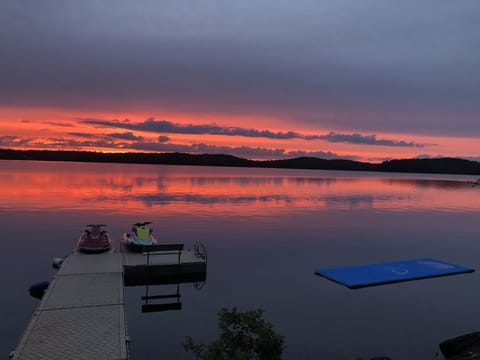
(243, 336)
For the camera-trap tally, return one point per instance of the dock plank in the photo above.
(79, 263)
(84, 290)
(159, 259)
(82, 315)
(75, 333)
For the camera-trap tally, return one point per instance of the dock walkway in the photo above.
(82, 315)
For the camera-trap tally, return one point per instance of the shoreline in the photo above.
(454, 166)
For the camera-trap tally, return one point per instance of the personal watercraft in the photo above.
(94, 240)
(140, 237)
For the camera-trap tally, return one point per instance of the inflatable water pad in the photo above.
(356, 277)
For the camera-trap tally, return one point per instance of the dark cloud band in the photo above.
(164, 126)
(356, 138)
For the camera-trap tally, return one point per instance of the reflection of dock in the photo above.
(164, 264)
(82, 314)
(161, 265)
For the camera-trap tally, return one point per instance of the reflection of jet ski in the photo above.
(140, 237)
(94, 240)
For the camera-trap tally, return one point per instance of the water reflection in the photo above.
(431, 183)
(266, 231)
(148, 306)
(129, 189)
(164, 298)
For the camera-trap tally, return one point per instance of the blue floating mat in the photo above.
(356, 277)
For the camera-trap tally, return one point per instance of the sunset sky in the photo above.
(366, 80)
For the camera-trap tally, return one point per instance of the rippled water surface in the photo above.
(266, 231)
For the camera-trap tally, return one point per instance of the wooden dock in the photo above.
(82, 314)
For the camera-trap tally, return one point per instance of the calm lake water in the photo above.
(266, 232)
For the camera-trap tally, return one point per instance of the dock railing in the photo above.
(163, 249)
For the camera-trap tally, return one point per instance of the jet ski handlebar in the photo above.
(142, 223)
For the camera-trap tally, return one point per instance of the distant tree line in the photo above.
(432, 166)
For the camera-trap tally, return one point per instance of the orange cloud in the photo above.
(256, 138)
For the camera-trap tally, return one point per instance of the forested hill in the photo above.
(433, 166)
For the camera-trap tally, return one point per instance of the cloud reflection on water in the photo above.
(133, 188)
